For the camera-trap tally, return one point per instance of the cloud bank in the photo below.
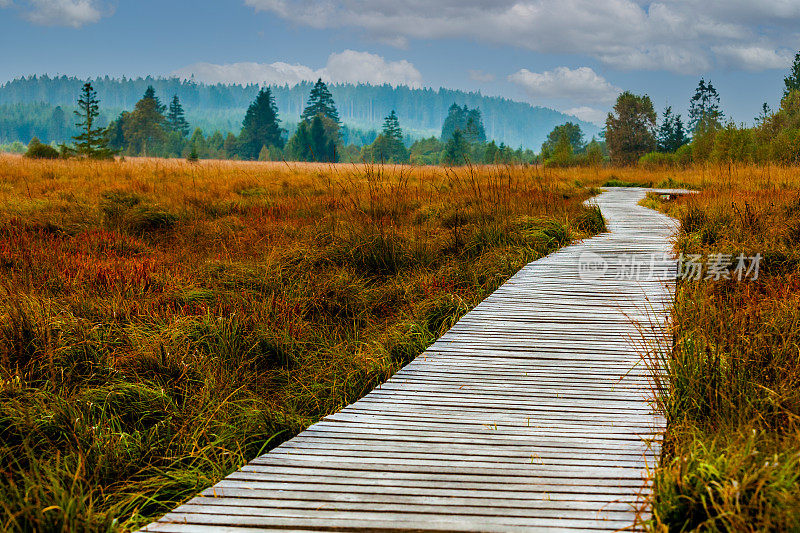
(685, 36)
(69, 13)
(578, 87)
(581, 84)
(348, 66)
(481, 76)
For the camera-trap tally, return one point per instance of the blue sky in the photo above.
(572, 55)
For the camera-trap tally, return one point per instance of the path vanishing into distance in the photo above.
(531, 413)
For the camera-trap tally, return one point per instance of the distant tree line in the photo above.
(154, 129)
(634, 135)
(361, 107)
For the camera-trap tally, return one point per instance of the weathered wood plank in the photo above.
(532, 413)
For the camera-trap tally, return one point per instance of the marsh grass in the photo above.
(162, 323)
(730, 387)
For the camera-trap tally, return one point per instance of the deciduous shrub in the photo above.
(38, 150)
(656, 160)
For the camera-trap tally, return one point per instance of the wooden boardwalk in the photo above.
(531, 413)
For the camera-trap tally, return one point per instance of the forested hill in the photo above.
(222, 107)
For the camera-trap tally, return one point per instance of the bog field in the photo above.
(162, 322)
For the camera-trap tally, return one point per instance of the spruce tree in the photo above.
(57, 124)
(704, 108)
(299, 146)
(490, 154)
(468, 121)
(666, 131)
(388, 147)
(456, 120)
(456, 150)
(679, 135)
(766, 112)
(391, 127)
(321, 147)
(261, 126)
(176, 120)
(473, 129)
(671, 134)
(144, 127)
(792, 81)
(115, 134)
(229, 146)
(150, 93)
(320, 102)
(91, 141)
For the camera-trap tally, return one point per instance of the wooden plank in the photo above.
(532, 413)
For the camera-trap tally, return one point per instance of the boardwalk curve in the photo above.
(531, 413)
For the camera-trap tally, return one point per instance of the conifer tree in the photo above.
(391, 127)
(261, 126)
(766, 112)
(388, 147)
(455, 120)
(115, 134)
(57, 124)
(176, 120)
(468, 121)
(299, 146)
(671, 134)
(229, 146)
(91, 141)
(456, 150)
(792, 81)
(144, 127)
(322, 147)
(704, 108)
(150, 93)
(490, 154)
(473, 129)
(320, 102)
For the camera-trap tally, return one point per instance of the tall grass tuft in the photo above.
(731, 387)
(162, 323)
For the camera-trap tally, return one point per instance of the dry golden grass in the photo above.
(163, 322)
(731, 458)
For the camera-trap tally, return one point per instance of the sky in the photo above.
(572, 55)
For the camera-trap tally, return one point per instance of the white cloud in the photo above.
(351, 66)
(588, 114)
(348, 66)
(754, 57)
(73, 13)
(580, 85)
(481, 76)
(245, 73)
(677, 35)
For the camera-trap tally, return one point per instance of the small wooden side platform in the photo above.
(530, 414)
